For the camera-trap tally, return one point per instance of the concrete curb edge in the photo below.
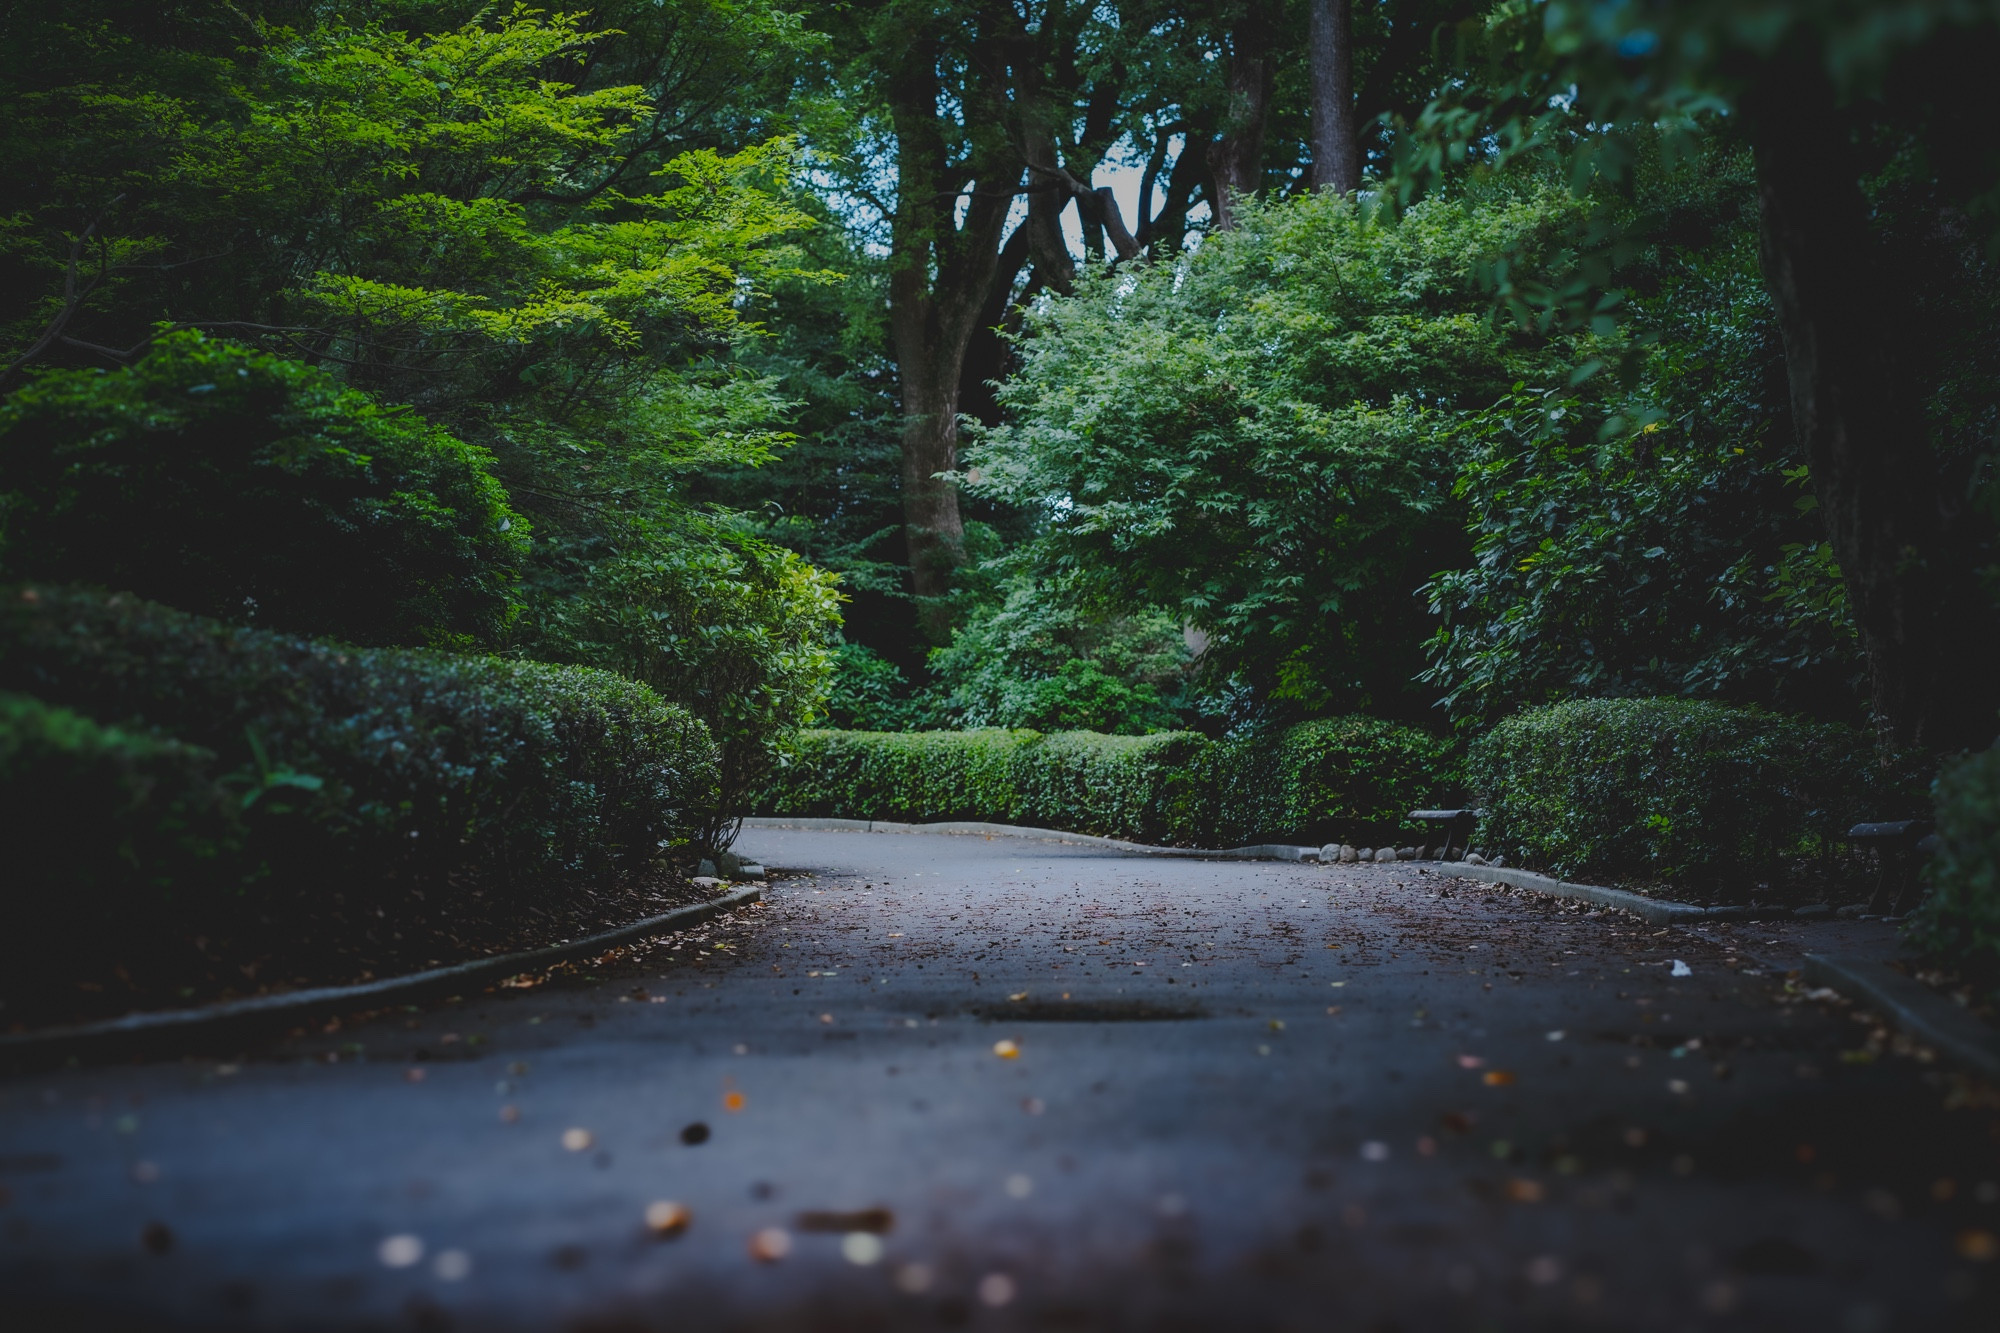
(234, 1017)
(1912, 1006)
(1655, 910)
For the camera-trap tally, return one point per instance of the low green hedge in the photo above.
(381, 771)
(1959, 921)
(1347, 778)
(1343, 779)
(96, 806)
(1656, 789)
(1115, 786)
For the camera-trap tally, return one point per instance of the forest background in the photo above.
(821, 364)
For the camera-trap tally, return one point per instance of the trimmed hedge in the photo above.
(1959, 922)
(377, 770)
(1343, 779)
(97, 807)
(1656, 789)
(1353, 778)
(107, 832)
(1079, 781)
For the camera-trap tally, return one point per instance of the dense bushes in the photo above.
(1348, 777)
(93, 808)
(1959, 921)
(1258, 438)
(1657, 789)
(378, 771)
(1118, 786)
(241, 485)
(733, 627)
(107, 832)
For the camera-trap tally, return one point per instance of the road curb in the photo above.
(1912, 1006)
(1655, 911)
(179, 1029)
(1266, 851)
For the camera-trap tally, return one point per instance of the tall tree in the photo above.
(1906, 538)
(1336, 148)
(1856, 114)
(1236, 157)
(991, 117)
(976, 125)
(949, 218)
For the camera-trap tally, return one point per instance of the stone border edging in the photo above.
(235, 1017)
(1912, 1006)
(1265, 851)
(1654, 911)
(1657, 911)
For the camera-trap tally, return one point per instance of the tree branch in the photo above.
(72, 297)
(1101, 204)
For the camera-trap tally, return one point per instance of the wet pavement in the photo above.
(949, 1081)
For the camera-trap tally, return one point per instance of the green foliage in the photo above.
(1959, 921)
(1140, 787)
(1641, 529)
(1353, 778)
(466, 215)
(1592, 91)
(102, 811)
(1257, 438)
(380, 772)
(833, 495)
(734, 628)
(543, 233)
(868, 692)
(1343, 779)
(236, 484)
(1036, 658)
(1077, 692)
(1663, 789)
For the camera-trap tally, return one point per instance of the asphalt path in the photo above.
(942, 1081)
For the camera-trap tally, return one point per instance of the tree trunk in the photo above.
(941, 272)
(1236, 157)
(933, 529)
(1903, 538)
(1336, 148)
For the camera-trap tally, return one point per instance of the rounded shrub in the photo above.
(1959, 921)
(1346, 779)
(1656, 789)
(237, 484)
(379, 773)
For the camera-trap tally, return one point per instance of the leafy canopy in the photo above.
(1257, 440)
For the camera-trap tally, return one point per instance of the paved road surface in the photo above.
(1244, 1096)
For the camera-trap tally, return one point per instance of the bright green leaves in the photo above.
(471, 208)
(1257, 440)
(737, 629)
(403, 105)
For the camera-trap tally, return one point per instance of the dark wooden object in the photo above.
(1898, 846)
(1456, 825)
